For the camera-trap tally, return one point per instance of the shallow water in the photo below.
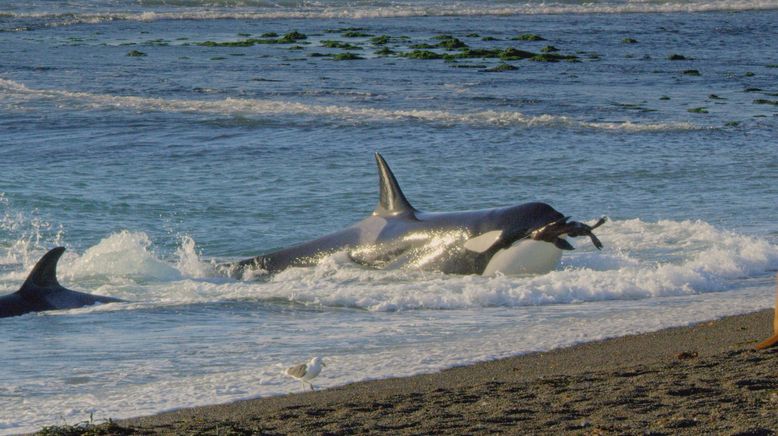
(151, 169)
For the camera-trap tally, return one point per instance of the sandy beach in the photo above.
(704, 378)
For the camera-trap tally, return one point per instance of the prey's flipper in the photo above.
(580, 229)
(553, 232)
(562, 244)
(595, 240)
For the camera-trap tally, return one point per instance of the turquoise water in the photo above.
(151, 168)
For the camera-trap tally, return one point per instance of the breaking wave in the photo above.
(252, 10)
(13, 93)
(641, 260)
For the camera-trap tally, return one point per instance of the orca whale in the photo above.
(523, 239)
(41, 291)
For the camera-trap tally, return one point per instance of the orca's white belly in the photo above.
(525, 257)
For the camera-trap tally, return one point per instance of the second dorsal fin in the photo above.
(392, 200)
(44, 274)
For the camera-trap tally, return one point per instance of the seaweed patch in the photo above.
(500, 68)
(528, 37)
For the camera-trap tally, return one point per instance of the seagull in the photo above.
(306, 371)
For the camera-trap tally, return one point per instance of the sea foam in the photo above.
(209, 10)
(641, 260)
(15, 94)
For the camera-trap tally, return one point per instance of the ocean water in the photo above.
(153, 155)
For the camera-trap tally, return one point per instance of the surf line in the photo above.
(259, 107)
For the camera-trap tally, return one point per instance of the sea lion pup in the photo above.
(772, 340)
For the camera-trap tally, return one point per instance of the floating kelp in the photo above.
(242, 43)
(528, 37)
(715, 97)
(135, 53)
(346, 57)
(479, 53)
(691, 72)
(386, 39)
(385, 51)
(508, 54)
(501, 67)
(422, 46)
(422, 54)
(380, 40)
(345, 29)
(339, 44)
(269, 35)
(292, 37)
(355, 34)
(766, 101)
(549, 49)
(677, 57)
(512, 54)
(289, 38)
(629, 41)
(451, 43)
(458, 65)
(553, 57)
(698, 110)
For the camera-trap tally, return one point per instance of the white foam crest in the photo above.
(392, 10)
(641, 260)
(190, 261)
(17, 92)
(30, 233)
(124, 254)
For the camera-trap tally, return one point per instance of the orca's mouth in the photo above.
(553, 232)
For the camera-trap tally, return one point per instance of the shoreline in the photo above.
(704, 377)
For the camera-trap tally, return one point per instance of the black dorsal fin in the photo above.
(392, 201)
(44, 274)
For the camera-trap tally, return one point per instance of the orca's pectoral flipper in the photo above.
(392, 201)
(772, 340)
(44, 274)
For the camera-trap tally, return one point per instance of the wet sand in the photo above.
(703, 378)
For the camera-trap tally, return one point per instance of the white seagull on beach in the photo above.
(306, 371)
